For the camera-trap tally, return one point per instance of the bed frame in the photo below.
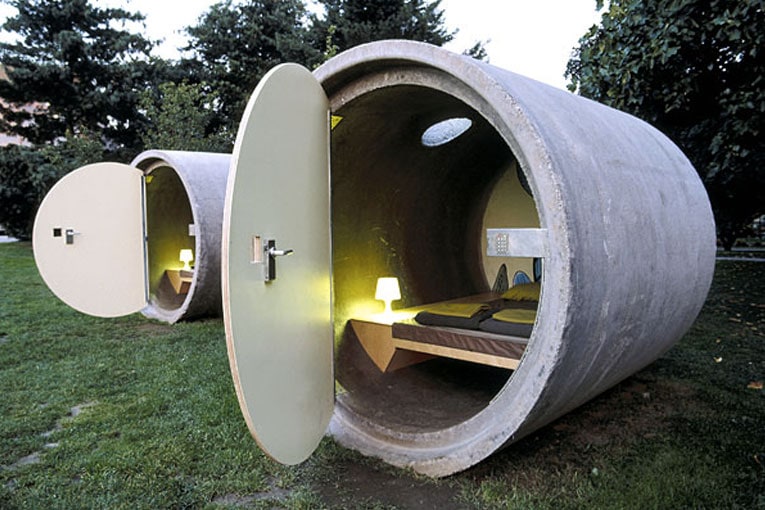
(396, 344)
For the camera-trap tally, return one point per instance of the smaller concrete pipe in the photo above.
(184, 209)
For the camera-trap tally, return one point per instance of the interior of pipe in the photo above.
(168, 216)
(418, 210)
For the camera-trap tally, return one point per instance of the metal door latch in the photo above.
(269, 247)
(69, 235)
(264, 252)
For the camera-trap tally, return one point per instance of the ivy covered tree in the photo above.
(695, 69)
(348, 23)
(71, 68)
(235, 44)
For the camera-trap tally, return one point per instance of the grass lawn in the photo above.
(132, 413)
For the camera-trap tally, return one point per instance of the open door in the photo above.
(276, 265)
(88, 240)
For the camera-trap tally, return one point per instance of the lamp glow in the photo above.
(186, 256)
(387, 291)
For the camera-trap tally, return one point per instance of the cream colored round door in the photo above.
(276, 265)
(88, 240)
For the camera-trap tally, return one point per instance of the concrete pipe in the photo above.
(107, 237)
(435, 148)
(184, 209)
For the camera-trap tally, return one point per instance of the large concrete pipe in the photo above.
(430, 153)
(628, 229)
(108, 236)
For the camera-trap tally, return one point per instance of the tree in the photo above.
(235, 44)
(182, 117)
(70, 69)
(694, 69)
(478, 51)
(237, 41)
(348, 23)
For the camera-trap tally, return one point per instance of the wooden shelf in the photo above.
(180, 280)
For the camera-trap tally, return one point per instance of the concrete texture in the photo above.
(198, 198)
(631, 239)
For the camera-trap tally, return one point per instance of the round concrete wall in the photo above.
(184, 209)
(629, 228)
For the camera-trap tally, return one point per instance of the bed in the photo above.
(489, 328)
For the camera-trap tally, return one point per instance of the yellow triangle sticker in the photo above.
(334, 121)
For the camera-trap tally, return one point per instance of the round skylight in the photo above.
(445, 131)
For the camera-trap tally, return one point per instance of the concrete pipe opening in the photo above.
(435, 148)
(184, 210)
(413, 197)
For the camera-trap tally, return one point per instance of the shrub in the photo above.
(27, 173)
(24, 175)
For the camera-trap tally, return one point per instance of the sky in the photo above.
(530, 37)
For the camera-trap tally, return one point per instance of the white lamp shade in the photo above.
(387, 289)
(186, 255)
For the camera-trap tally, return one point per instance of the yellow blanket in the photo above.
(516, 315)
(464, 310)
(523, 292)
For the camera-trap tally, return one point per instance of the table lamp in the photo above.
(387, 291)
(186, 256)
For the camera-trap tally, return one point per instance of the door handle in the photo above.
(279, 253)
(69, 235)
(269, 272)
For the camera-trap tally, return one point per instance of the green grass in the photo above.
(132, 413)
(159, 425)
